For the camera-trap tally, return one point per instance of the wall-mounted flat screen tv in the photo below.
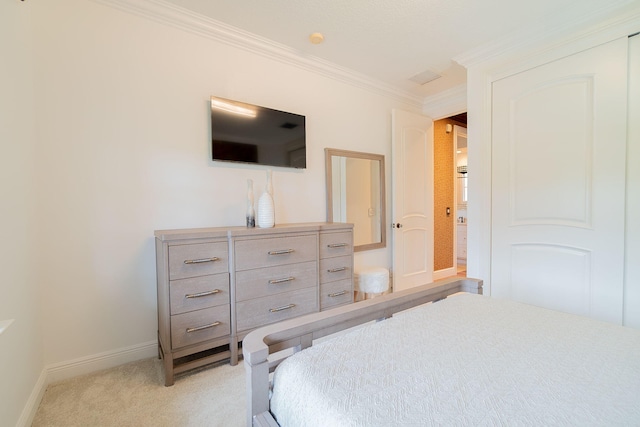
(247, 133)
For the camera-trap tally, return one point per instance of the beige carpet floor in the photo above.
(134, 395)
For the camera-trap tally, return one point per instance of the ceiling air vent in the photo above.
(425, 77)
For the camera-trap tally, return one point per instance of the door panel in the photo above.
(558, 183)
(550, 181)
(571, 266)
(412, 192)
(414, 261)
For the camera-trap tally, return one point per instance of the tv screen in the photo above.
(249, 133)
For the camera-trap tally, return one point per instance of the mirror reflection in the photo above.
(355, 194)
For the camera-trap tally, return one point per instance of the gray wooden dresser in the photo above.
(215, 285)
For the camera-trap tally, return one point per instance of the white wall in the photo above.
(123, 149)
(21, 358)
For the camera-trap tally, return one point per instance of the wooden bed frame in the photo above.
(297, 334)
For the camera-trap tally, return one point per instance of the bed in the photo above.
(464, 360)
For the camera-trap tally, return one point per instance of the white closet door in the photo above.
(558, 183)
(632, 276)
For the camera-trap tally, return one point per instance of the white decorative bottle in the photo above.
(251, 213)
(266, 214)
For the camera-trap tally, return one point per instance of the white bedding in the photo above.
(467, 360)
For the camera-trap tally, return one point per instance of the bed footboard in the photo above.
(300, 332)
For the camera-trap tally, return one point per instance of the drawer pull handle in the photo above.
(337, 294)
(284, 307)
(203, 294)
(201, 260)
(199, 328)
(282, 252)
(283, 280)
(335, 270)
(337, 245)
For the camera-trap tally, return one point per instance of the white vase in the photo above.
(266, 211)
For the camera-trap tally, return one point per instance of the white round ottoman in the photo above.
(373, 281)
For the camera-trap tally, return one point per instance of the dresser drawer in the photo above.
(275, 280)
(200, 325)
(332, 269)
(199, 292)
(336, 244)
(270, 252)
(336, 293)
(198, 259)
(263, 311)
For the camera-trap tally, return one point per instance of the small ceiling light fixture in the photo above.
(316, 38)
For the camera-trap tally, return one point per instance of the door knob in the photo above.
(398, 225)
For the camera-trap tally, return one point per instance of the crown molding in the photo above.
(186, 20)
(554, 32)
(446, 103)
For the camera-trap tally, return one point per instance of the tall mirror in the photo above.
(355, 194)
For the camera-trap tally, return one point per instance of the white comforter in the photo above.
(466, 361)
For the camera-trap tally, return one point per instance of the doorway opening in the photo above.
(450, 215)
(461, 185)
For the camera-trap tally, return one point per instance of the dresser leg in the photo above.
(168, 369)
(233, 348)
(167, 359)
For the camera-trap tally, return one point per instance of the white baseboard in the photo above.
(97, 362)
(447, 272)
(83, 365)
(30, 409)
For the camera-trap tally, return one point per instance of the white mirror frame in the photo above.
(330, 153)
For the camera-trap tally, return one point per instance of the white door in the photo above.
(558, 183)
(412, 194)
(632, 274)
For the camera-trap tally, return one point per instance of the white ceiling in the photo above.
(393, 40)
